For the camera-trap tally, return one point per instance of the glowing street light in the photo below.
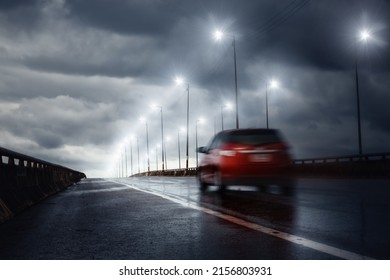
(272, 84)
(142, 119)
(364, 35)
(180, 81)
(218, 36)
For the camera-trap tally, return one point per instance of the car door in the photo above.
(211, 158)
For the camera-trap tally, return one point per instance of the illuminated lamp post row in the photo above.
(364, 36)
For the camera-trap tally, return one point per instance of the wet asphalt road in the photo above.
(169, 218)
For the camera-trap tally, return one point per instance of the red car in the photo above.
(258, 157)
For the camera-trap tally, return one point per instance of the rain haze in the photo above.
(77, 76)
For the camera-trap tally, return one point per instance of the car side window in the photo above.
(215, 143)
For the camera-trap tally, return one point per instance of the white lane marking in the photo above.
(330, 250)
(79, 192)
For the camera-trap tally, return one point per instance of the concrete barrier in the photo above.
(25, 180)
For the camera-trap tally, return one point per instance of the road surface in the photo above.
(149, 218)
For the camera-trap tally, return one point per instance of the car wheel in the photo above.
(202, 184)
(288, 187)
(218, 181)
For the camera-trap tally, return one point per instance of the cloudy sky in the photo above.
(76, 76)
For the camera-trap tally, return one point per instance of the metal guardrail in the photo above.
(341, 159)
(376, 164)
(170, 172)
(354, 166)
(13, 164)
(25, 180)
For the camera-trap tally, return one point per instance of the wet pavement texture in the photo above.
(147, 218)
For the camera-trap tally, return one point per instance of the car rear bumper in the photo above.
(256, 176)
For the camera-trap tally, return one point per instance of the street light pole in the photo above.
(235, 79)
(179, 81)
(126, 160)
(139, 170)
(358, 104)
(196, 141)
(188, 121)
(218, 35)
(266, 103)
(165, 154)
(222, 116)
(199, 120)
(147, 141)
(178, 147)
(272, 84)
(157, 158)
(123, 167)
(147, 144)
(223, 106)
(364, 36)
(131, 156)
(162, 139)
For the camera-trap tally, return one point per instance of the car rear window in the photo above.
(253, 137)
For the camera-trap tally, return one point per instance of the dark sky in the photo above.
(75, 76)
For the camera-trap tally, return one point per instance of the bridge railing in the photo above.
(376, 165)
(367, 165)
(169, 172)
(341, 159)
(25, 180)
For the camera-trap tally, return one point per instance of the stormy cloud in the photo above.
(76, 76)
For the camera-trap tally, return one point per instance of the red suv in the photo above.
(256, 157)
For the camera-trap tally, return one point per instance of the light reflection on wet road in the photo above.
(353, 215)
(169, 218)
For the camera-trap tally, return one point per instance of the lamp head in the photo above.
(179, 80)
(274, 83)
(218, 35)
(364, 35)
